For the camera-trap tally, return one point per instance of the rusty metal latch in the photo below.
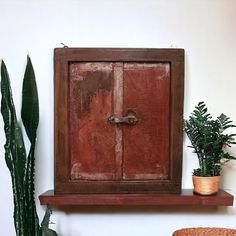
(130, 119)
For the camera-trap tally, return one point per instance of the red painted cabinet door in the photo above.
(92, 138)
(103, 150)
(118, 120)
(146, 144)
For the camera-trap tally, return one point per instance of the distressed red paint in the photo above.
(92, 138)
(105, 151)
(98, 92)
(146, 145)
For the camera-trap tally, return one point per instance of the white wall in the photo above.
(204, 28)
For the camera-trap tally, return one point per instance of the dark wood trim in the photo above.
(187, 198)
(176, 121)
(61, 145)
(120, 54)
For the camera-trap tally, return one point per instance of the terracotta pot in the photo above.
(206, 185)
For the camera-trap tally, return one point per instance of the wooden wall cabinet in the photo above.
(118, 120)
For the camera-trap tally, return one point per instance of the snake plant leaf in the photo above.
(46, 218)
(6, 114)
(15, 153)
(14, 147)
(48, 232)
(30, 104)
(22, 167)
(45, 224)
(32, 217)
(30, 119)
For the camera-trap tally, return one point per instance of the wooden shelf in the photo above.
(187, 197)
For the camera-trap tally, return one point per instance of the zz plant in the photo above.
(20, 164)
(209, 140)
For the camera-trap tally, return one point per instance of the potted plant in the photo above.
(210, 142)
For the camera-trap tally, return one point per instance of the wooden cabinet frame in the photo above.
(63, 57)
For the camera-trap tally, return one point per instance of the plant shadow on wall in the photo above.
(211, 143)
(20, 164)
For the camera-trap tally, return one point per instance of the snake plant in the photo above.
(20, 163)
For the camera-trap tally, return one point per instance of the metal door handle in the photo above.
(130, 119)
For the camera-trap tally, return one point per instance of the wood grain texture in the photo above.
(120, 54)
(92, 139)
(118, 112)
(146, 145)
(186, 197)
(94, 156)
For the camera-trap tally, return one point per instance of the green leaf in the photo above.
(6, 113)
(15, 154)
(46, 218)
(21, 168)
(30, 104)
(45, 224)
(207, 138)
(30, 118)
(48, 232)
(32, 217)
(15, 148)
